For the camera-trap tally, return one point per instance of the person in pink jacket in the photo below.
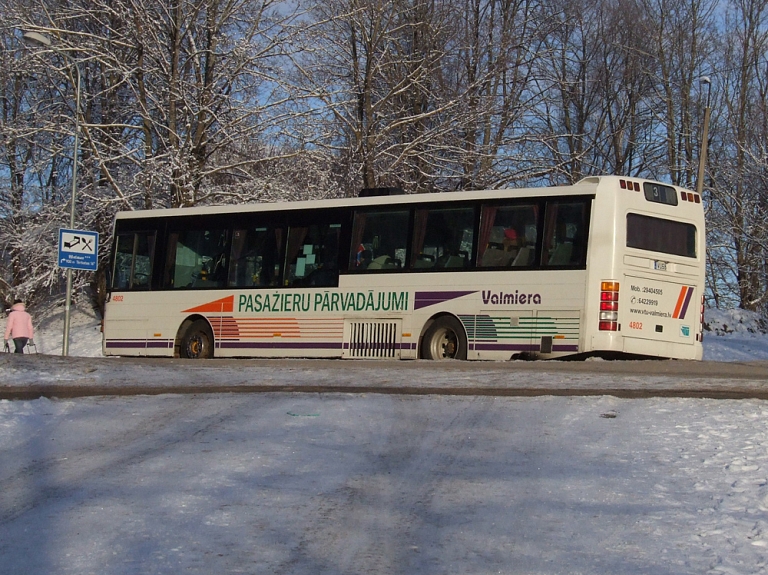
(19, 327)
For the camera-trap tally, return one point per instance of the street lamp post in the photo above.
(43, 40)
(704, 81)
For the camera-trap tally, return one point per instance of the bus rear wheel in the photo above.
(197, 342)
(444, 339)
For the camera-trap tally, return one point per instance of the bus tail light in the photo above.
(629, 185)
(609, 306)
(700, 335)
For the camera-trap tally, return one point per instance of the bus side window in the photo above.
(197, 259)
(255, 257)
(378, 241)
(133, 261)
(507, 235)
(312, 256)
(565, 234)
(443, 238)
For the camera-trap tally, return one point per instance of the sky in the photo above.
(348, 483)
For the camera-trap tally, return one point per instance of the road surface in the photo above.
(30, 376)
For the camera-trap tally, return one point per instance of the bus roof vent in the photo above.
(371, 192)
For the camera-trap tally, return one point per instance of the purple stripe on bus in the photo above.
(573, 348)
(377, 346)
(126, 344)
(685, 304)
(521, 347)
(505, 347)
(428, 298)
(138, 343)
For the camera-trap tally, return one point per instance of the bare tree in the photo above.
(497, 44)
(740, 172)
(683, 34)
(172, 87)
(369, 64)
(172, 92)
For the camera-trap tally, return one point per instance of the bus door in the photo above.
(128, 325)
(659, 310)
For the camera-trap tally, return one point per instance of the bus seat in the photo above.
(561, 255)
(382, 263)
(424, 261)
(496, 257)
(454, 262)
(523, 257)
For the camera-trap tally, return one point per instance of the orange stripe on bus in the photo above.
(680, 300)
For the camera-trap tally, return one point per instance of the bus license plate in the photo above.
(657, 265)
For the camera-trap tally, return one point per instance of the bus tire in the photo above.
(444, 339)
(197, 341)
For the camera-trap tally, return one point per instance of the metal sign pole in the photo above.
(45, 41)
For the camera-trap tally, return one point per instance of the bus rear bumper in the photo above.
(615, 342)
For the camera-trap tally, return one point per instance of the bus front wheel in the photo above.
(197, 342)
(444, 339)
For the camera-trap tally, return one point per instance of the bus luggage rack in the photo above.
(372, 339)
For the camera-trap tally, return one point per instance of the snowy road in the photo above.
(310, 484)
(32, 376)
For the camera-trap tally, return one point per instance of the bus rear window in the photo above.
(660, 235)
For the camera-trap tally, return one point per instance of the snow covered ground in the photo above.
(364, 483)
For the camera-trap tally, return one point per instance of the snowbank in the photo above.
(735, 335)
(739, 321)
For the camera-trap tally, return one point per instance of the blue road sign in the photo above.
(78, 250)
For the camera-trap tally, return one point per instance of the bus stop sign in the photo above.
(78, 250)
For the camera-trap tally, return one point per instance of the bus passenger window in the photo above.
(312, 256)
(443, 238)
(507, 235)
(197, 259)
(378, 241)
(565, 234)
(255, 257)
(133, 261)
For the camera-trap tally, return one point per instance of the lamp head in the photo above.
(37, 39)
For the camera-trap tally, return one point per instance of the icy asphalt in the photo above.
(33, 376)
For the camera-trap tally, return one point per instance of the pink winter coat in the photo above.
(19, 323)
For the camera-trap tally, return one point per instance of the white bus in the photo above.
(611, 266)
